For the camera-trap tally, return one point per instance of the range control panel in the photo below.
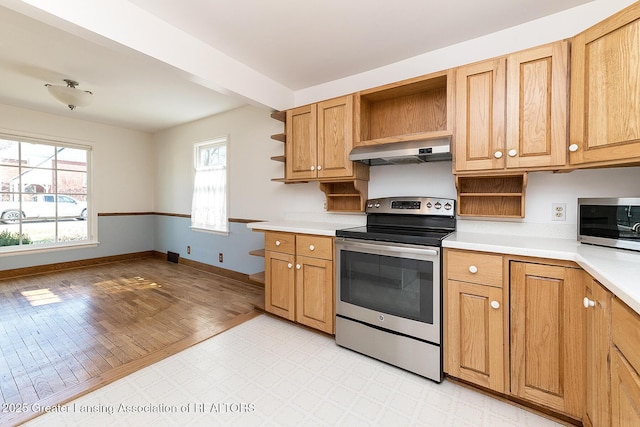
(412, 206)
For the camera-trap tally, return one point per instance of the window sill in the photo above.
(25, 250)
(207, 230)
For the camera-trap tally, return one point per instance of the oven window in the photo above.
(392, 285)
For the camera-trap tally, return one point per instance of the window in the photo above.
(44, 198)
(209, 206)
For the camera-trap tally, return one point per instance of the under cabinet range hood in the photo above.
(406, 152)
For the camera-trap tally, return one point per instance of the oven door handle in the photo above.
(388, 248)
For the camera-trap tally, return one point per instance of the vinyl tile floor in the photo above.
(269, 372)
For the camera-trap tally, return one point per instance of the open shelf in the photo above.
(411, 110)
(279, 137)
(279, 115)
(258, 277)
(345, 196)
(257, 252)
(492, 196)
(279, 158)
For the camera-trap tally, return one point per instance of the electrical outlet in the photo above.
(220, 258)
(188, 249)
(558, 211)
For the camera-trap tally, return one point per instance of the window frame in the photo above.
(91, 220)
(197, 147)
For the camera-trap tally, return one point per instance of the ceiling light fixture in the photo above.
(69, 95)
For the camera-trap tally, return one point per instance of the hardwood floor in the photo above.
(66, 333)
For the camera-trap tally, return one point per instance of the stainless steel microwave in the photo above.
(610, 222)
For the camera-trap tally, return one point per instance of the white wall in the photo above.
(122, 158)
(122, 183)
(545, 30)
(252, 193)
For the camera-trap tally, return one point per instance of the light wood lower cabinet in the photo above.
(475, 314)
(547, 344)
(625, 365)
(299, 282)
(597, 304)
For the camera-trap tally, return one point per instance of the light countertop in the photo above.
(303, 227)
(616, 269)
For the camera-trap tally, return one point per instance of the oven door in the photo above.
(390, 286)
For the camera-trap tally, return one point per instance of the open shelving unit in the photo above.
(345, 196)
(257, 277)
(410, 110)
(492, 196)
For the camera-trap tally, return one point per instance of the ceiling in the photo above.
(297, 44)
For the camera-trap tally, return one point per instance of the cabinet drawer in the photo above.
(315, 246)
(473, 267)
(625, 330)
(280, 242)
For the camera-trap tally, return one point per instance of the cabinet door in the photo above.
(598, 312)
(625, 392)
(480, 116)
(547, 324)
(301, 147)
(314, 293)
(335, 137)
(475, 342)
(605, 89)
(537, 95)
(279, 286)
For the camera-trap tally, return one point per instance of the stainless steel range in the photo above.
(388, 282)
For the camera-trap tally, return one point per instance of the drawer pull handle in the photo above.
(313, 168)
(277, 242)
(298, 267)
(588, 303)
(495, 305)
(512, 153)
(473, 269)
(497, 154)
(311, 247)
(319, 167)
(573, 148)
(289, 265)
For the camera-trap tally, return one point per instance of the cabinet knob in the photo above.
(497, 154)
(311, 247)
(278, 243)
(473, 269)
(513, 152)
(298, 267)
(319, 167)
(573, 148)
(588, 303)
(289, 265)
(495, 305)
(313, 168)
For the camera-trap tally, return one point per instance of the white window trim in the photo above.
(92, 227)
(218, 140)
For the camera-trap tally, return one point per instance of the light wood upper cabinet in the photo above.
(605, 91)
(319, 139)
(301, 149)
(547, 343)
(335, 137)
(480, 116)
(511, 112)
(537, 98)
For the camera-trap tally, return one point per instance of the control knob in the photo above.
(448, 206)
(438, 205)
